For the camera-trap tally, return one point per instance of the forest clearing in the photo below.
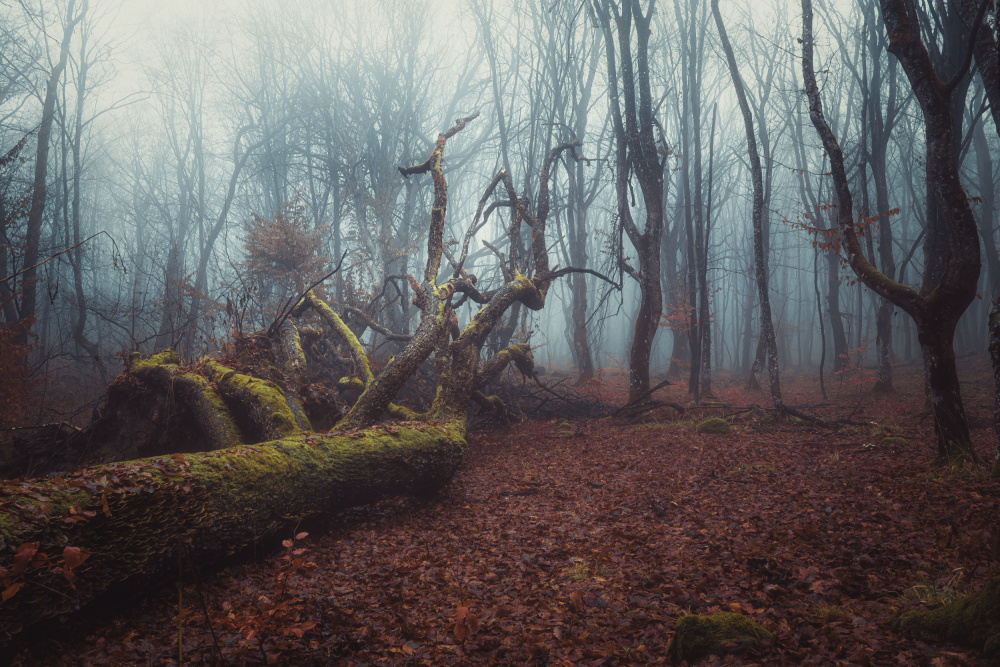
(582, 541)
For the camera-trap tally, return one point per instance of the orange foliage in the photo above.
(288, 250)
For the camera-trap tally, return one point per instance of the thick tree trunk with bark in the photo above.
(938, 308)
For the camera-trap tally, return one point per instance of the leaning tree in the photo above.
(938, 305)
(247, 461)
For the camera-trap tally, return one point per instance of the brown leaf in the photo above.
(73, 557)
(10, 591)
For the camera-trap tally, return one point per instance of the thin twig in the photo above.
(61, 252)
(289, 306)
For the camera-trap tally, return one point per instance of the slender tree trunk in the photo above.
(768, 341)
(984, 170)
(33, 233)
(994, 327)
(705, 316)
(822, 327)
(748, 308)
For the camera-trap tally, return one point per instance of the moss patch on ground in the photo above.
(714, 425)
(697, 636)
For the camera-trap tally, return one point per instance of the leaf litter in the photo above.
(585, 550)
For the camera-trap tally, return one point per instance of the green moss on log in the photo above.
(972, 621)
(165, 357)
(263, 406)
(132, 516)
(714, 425)
(697, 637)
(163, 375)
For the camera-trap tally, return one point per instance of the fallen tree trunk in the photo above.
(132, 517)
(67, 541)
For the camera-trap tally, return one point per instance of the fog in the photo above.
(228, 154)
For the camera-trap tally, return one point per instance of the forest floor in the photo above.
(582, 542)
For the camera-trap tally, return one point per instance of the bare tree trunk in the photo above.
(705, 316)
(822, 326)
(937, 309)
(768, 342)
(33, 233)
(638, 152)
(994, 327)
(984, 170)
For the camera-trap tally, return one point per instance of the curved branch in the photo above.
(375, 326)
(291, 304)
(969, 49)
(476, 225)
(334, 321)
(902, 295)
(559, 273)
(519, 355)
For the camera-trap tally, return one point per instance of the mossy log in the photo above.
(973, 620)
(159, 406)
(132, 517)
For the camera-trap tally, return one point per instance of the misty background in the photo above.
(232, 152)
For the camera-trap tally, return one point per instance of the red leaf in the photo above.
(73, 557)
(25, 554)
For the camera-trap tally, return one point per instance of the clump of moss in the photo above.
(895, 441)
(697, 636)
(566, 430)
(972, 620)
(715, 425)
(167, 357)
